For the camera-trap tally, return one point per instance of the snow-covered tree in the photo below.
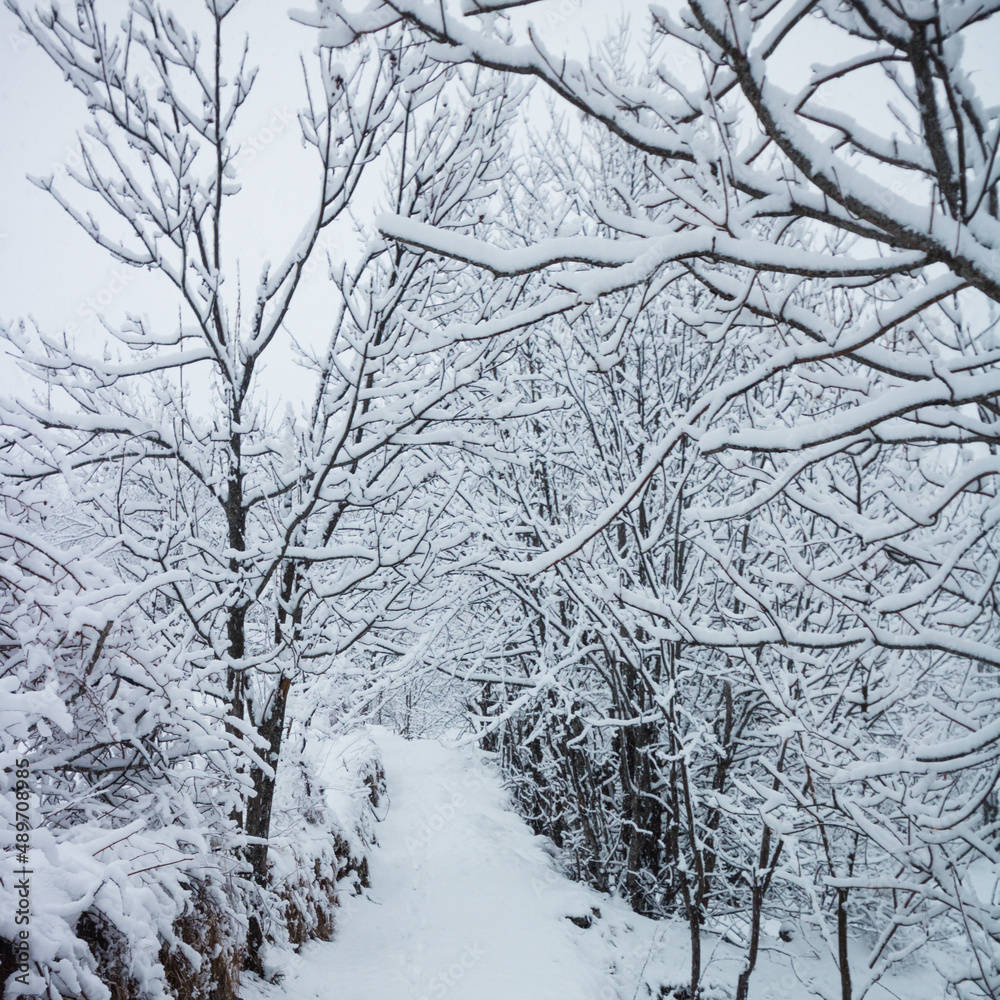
(841, 222)
(262, 546)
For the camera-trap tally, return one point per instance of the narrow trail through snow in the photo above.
(466, 904)
(464, 901)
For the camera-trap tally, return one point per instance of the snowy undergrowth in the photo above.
(155, 904)
(144, 912)
(465, 902)
(121, 874)
(322, 833)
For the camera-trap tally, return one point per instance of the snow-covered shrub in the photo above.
(139, 889)
(129, 781)
(322, 831)
(205, 956)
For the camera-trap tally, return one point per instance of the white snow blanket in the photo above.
(466, 903)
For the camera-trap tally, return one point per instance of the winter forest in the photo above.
(522, 521)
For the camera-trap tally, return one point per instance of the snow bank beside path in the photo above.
(464, 901)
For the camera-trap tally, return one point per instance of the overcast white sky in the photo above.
(47, 266)
(50, 270)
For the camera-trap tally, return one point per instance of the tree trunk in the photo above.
(258, 814)
(845, 968)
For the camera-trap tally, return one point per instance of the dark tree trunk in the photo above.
(845, 968)
(258, 814)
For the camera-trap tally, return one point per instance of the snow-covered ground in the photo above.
(466, 903)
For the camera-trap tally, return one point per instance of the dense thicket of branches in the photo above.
(668, 447)
(755, 661)
(258, 550)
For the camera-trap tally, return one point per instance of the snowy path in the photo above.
(464, 901)
(465, 904)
